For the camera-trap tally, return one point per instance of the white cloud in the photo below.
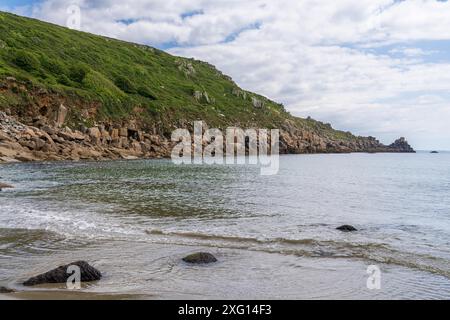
(319, 58)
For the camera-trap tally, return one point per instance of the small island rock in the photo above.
(347, 228)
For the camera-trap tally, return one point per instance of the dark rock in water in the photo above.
(60, 275)
(4, 186)
(434, 152)
(6, 290)
(200, 257)
(401, 145)
(347, 228)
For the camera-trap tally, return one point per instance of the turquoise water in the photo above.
(274, 236)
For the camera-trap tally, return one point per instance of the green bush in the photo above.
(125, 84)
(64, 80)
(145, 92)
(52, 65)
(26, 61)
(78, 72)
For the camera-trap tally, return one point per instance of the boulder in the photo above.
(4, 136)
(60, 275)
(6, 290)
(200, 258)
(4, 186)
(346, 228)
(257, 103)
(95, 135)
(71, 135)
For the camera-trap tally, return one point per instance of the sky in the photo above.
(372, 67)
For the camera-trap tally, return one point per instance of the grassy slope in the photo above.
(121, 76)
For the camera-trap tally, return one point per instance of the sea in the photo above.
(274, 236)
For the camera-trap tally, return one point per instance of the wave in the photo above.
(84, 226)
(373, 252)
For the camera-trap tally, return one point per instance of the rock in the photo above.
(114, 134)
(6, 290)
(25, 157)
(257, 103)
(203, 97)
(200, 258)
(60, 116)
(186, 67)
(239, 93)
(347, 228)
(401, 145)
(123, 132)
(39, 143)
(434, 152)
(71, 136)
(4, 136)
(95, 135)
(4, 186)
(60, 275)
(8, 159)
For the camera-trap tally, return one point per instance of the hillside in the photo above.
(123, 98)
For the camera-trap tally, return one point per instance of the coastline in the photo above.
(47, 141)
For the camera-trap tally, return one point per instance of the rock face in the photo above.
(60, 275)
(298, 141)
(401, 145)
(200, 258)
(44, 141)
(347, 228)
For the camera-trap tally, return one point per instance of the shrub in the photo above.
(52, 65)
(145, 92)
(125, 84)
(64, 80)
(78, 72)
(26, 61)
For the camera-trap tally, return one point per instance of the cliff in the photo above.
(66, 94)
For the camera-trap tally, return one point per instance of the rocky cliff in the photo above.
(68, 95)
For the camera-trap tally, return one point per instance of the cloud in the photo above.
(357, 64)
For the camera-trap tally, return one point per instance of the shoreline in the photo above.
(166, 277)
(47, 141)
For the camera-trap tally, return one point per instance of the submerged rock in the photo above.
(347, 228)
(199, 258)
(6, 290)
(60, 275)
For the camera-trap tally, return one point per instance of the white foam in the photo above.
(73, 224)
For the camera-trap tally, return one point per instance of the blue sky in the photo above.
(373, 67)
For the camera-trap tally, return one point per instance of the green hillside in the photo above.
(127, 81)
